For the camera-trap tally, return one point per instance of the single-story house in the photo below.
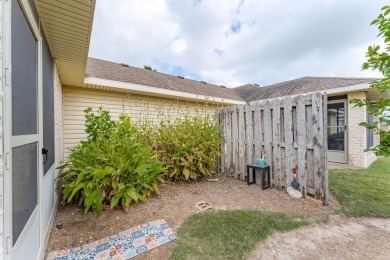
(346, 139)
(47, 80)
(46, 86)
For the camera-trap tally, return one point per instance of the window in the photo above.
(370, 132)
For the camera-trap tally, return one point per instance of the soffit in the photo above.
(68, 25)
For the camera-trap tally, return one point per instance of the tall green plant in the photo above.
(379, 60)
(113, 166)
(188, 146)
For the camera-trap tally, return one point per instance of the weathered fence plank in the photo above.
(268, 137)
(276, 142)
(282, 147)
(249, 135)
(309, 153)
(241, 141)
(288, 140)
(253, 107)
(228, 138)
(301, 136)
(318, 152)
(258, 135)
(221, 113)
(235, 141)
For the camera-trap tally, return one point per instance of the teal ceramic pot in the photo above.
(260, 162)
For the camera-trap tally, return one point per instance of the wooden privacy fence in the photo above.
(288, 131)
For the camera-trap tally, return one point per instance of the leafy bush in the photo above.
(188, 146)
(114, 166)
(122, 162)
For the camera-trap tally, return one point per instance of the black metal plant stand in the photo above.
(265, 182)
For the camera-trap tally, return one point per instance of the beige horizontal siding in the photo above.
(76, 100)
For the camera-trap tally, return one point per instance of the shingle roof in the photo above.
(115, 71)
(296, 87)
(246, 90)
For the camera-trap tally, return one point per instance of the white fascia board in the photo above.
(362, 86)
(159, 91)
(350, 88)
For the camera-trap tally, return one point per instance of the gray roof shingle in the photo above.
(296, 87)
(115, 71)
(246, 90)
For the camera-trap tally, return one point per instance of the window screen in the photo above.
(24, 75)
(48, 103)
(24, 186)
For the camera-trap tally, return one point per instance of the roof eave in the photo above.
(68, 27)
(94, 82)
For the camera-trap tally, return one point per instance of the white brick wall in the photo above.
(357, 138)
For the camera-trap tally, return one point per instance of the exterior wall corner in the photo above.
(356, 134)
(58, 121)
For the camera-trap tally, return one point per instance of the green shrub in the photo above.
(114, 166)
(188, 146)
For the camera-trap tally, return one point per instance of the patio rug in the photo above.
(123, 245)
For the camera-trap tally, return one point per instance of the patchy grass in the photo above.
(229, 234)
(363, 192)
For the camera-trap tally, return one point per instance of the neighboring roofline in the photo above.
(158, 91)
(307, 77)
(331, 91)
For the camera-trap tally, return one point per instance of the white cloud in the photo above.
(179, 46)
(274, 40)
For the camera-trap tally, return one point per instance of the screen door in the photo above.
(24, 144)
(337, 132)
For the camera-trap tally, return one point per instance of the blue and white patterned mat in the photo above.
(121, 246)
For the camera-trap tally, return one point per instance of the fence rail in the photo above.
(289, 131)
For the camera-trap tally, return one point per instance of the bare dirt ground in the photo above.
(175, 203)
(342, 238)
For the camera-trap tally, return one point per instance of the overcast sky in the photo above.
(234, 42)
